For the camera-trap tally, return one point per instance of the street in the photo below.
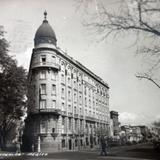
(138, 152)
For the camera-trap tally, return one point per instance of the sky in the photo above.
(114, 60)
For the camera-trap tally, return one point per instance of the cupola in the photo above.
(45, 33)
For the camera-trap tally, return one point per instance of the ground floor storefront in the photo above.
(54, 143)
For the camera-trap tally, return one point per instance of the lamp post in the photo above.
(39, 144)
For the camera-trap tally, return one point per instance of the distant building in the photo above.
(145, 132)
(114, 124)
(155, 131)
(127, 132)
(132, 133)
(68, 105)
(136, 135)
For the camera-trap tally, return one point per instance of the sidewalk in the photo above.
(110, 150)
(114, 149)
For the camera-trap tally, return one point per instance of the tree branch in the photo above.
(147, 77)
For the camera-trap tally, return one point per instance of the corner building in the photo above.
(68, 105)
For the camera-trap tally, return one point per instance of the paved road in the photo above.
(138, 152)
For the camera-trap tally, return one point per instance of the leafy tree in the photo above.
(139, 18)
(157, 124)
(12, 91)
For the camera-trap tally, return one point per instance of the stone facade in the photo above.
(115, 123)
(68, 105)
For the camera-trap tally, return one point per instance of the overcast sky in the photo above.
(114, 61)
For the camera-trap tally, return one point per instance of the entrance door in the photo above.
(70, 144)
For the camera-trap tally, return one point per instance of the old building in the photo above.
(127, 132)
(136, 133)
(68, 105)
(132, 134)
(114, 124)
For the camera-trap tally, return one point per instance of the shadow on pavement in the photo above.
(148, 153)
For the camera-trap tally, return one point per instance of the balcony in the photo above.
(50, 110)
(81, 116)
(64, 113)
(70, 114)
(45, 64)
(90, 118)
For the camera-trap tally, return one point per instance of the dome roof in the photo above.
(45, 33)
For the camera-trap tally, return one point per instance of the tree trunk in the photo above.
(3, 142)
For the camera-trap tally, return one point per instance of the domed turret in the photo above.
(45, 33)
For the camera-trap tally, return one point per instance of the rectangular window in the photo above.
(42, 74)
(63, 108)
(62, 93)
(85, 101)
(85, 90)
(80, 110)
(76, 124)
(63, 143)
(80, 87)
(70, 124)
(42, 104)
(62, 78)
(75, 110)
(53, 75)
(43, 58)
(63, 121)
(69, 108)
(75, 97)
(54, 89)
(53, 104)
(81, 125)
(43, 126)
(75, 84)
(89, 103)
(69, 81)
(69, 95)
(65, 71)
(43, 89)
(86, 111)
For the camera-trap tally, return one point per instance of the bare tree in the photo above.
(139, 18)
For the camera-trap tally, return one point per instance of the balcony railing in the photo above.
(46, 64)
(90, 118)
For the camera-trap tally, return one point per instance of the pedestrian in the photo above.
(18, 147)
(17, 143)
(103, 147)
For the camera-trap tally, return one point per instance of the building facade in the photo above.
(68, 105)
(115, 124)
